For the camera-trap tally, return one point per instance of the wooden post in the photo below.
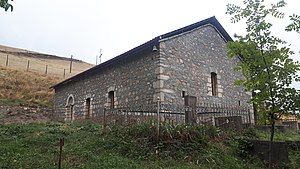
(100, 56)
(28, 62)
(71, 63)
(6, 64)
(64, 73)
(96, 60)
(46, 71)
(61, 144)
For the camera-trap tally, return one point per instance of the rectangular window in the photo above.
(111, 99)
(88, 108)
(183, 94)
(214, 84)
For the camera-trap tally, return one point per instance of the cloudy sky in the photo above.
(81, 28)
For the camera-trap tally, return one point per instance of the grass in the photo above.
(31, 88)
(88, 145)
(18, 60)
(289, 135)
(25, 88)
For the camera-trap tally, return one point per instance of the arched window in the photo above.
(214, 84)
(70, 100)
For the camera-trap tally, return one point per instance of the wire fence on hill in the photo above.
(42, 63)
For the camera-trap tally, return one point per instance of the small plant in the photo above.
(13, 131)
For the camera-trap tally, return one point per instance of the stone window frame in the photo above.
(88, 109)
(111, 99)
(108, 101)
(214, 83)
(219, 87)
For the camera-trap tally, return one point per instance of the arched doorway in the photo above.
(69, 116)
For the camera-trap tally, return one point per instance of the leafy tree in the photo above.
(267, 67)
(295, 25)
(6, 5)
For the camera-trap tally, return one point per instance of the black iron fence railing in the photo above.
(204, 114)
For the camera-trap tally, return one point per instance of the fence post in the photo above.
(61, 144)
(158, 119)
(46, 71)
(71, 63)
(6, 64)
(190, 115)
(64, 73)
(28, 62)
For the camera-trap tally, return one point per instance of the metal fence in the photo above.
(204, 114)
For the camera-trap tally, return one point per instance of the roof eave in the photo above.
(146, 47)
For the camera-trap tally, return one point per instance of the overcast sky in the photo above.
(82, 27)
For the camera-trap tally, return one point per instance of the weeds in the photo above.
(88, 146)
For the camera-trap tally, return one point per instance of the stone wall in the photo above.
(279, 153)
(186, 63)
(293, 125)
(182, 65)
(23, 114)
(131, 80)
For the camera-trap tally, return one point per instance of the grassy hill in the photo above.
(22, 86)
(25, 88)
(19, 59)
(88, 145)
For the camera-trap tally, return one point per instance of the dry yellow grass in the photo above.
(18, 59)
(32, 87)
(26, 87)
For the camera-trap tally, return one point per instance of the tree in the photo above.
(6, 5)
(295, 25)
(266, 65)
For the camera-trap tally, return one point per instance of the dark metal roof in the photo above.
(212, 20)
(145, 48)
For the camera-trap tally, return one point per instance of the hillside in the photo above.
(25, 87)
(89, 145)
(52, 65)
(26, 76)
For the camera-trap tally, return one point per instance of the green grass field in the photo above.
(89, 145)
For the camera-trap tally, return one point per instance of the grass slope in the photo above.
(25, 87)
(87, 145)
(19, 86)
(18, 60)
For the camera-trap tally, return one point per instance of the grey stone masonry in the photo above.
(186, 63)
(131, 81)
(190, 63)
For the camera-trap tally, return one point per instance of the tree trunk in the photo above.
(271, 144)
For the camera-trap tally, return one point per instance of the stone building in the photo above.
(188, 61)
